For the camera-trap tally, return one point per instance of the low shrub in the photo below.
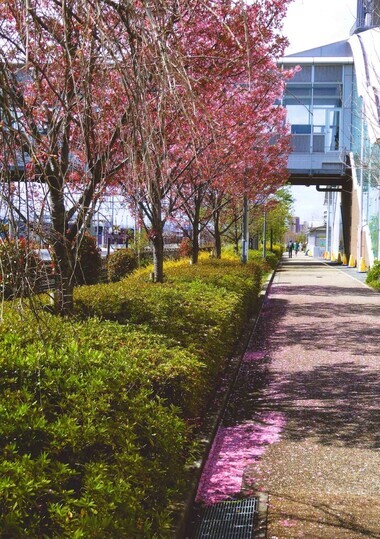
(272, 259)
(273, 255)
(121, 263)
(88, 448)
(373, 275)
(185, 248)
(88, 263)
(202, 307)
(95, 439)
(278, 250)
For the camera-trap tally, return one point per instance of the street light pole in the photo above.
(265, 231)
(245, 232)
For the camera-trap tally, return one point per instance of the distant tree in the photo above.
(277, 211)
(207, 82)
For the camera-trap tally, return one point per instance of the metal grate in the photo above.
(228, 520)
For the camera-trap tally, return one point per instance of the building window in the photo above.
(314, 111)
(328, 73)
(304, 75)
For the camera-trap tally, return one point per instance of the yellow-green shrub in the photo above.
(373, 276)
(88, 448)
(94, 441)
(121, 263)
(88, 262)
(202, 307)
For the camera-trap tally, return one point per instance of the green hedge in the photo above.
(373, 276)
(89, 447)
(88, 264)
(95, 434)
(201, 307)
(120, 263)
(271, 259)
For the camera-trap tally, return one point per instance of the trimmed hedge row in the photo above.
(94, 437)
(120, 263)
(90, 445)
(202, 307)
(373, 276)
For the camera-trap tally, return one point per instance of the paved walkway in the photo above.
(303, 421)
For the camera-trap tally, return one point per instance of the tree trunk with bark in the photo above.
(217, 235)
(196, 220)
(158, 256)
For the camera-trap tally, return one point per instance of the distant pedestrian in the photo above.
(290, 248)
(296, 247)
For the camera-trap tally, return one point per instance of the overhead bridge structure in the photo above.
(331, 182)
(333, 110)
(321, 180)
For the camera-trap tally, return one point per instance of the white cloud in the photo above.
(311, 23)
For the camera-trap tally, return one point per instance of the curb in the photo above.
(218, 407)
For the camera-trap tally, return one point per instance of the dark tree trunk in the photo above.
(64, 291)
(195, 247)
(158, 256)
(195, 243)
(156, 233)
(217, 236)
(237, 236)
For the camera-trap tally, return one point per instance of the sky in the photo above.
(309, 24)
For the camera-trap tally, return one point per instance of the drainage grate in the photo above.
(228, 520)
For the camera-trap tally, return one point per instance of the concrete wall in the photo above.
(346, 198)
(355, 224)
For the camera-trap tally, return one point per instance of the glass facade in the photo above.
(327, 119)
(367, 164)
(368, 14)
(313, 100)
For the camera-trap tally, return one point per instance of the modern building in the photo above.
(333, 108)
(316, 240)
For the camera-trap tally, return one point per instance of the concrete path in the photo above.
(303, 423)
(321, 372)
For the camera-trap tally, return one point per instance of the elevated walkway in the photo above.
(317, 178)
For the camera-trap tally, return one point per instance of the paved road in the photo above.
(303, 421)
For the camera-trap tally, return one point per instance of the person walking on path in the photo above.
(290, 248)
(302, 421)
(296, 248)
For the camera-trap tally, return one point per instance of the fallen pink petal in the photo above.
(234, 448)
(288, 523)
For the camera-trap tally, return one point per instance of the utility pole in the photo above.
(245, 232)
(265, 231)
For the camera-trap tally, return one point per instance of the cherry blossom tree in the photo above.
(258, 169)
(64, 116)
(249, 143)
(139, 96)
(218, 96)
